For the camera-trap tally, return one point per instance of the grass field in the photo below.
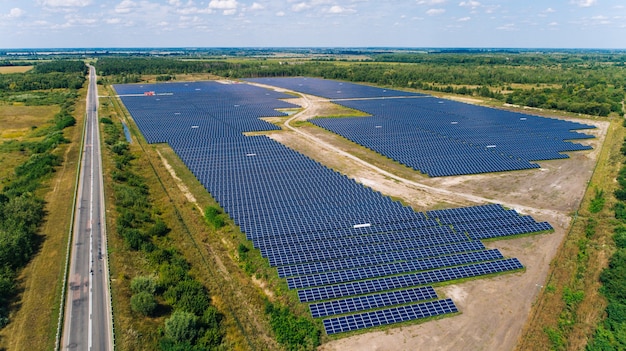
(14, 69)
(18, 121)
(34, 323)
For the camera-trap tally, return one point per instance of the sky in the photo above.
(313, 23)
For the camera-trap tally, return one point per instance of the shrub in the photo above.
(143, 303)
(143, 283)
(181, 327)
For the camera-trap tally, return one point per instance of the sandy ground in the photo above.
(492, 310)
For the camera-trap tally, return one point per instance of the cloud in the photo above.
(430, 2)
(256, 6)
(193, 10)
(16, 12)
(600, 19)
(113, 21)
(435, 12)
(464, 19)
(223, 4)
(300, 7)
(125, 6)
(549, 10)
(280, 14)
(510, 27)
(584, 3)
(65, 3)
(339, 10)
(471, 4)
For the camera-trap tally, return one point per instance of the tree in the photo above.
(181, 327)
(143, 283)
(143, 303)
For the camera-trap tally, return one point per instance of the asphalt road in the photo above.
(88, 322)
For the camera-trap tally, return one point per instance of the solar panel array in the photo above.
(331, 89)
(360, 258)
(440, 137)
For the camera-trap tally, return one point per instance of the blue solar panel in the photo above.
(408, 280)
(368, 302)
(388, 316)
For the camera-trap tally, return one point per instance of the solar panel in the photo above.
(387, 316)
(368, 302)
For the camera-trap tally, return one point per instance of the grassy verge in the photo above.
(569, 307)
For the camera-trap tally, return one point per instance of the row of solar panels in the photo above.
(329, 236)
(437, 137)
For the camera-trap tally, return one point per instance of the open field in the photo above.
(14, 69)
(17, 121)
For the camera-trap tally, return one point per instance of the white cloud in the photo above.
(223, 4)
(435, 12)
(553, 24)
(229, 12)
(193, 10)
(430, 2)
(339, 10)
(584, 3)
(464, 19)
(16, 12)
(125, 6)
(65, 3)
(600, 19)
(471, 4)
(256, 6)
(280, 14)
(510, 27)
(549, 10)
(300, 7)
(113, 21)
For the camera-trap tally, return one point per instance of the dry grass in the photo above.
(14, 69)
(18, 121)
(34, 324)
(549, 306)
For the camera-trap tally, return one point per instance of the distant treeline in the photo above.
(590, 84)
(58, 74)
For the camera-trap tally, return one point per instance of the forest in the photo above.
(580, 83)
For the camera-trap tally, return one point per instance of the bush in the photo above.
(295, 333)
(181, 327)
(190, 296)
(213, 216)
(143, 283)
(143, 303)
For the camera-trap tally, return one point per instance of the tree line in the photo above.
(58, 74)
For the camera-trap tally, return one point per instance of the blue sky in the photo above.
(319, 23)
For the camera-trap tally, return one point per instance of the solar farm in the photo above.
(358, 258)
(440, 137)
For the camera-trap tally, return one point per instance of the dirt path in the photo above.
(493, 310)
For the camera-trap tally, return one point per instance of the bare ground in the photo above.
(493, 310)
